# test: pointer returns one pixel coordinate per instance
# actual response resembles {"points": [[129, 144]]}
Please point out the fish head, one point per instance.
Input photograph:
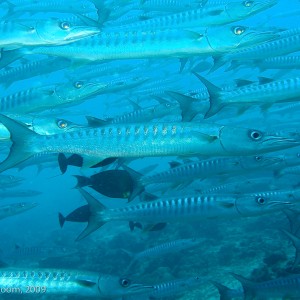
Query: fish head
{"points": [[230, 37], [238, 10], [263, 203], [48, 126], [58, 32], [237, 140], [166, 107], [22, 206], [78, 90], [260, 161], [113, 287]]}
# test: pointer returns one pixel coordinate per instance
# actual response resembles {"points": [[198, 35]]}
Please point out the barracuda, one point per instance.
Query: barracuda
{"points": [[41, 125], [50, 96], [279, 288], [189, 208], [285, 44], [141, 140], [150, 44], [15, 208], [15, 34], [18, 7], [68, 282], [211, 14], [31, 69], [212, 167], [139, 115], [165, 248], [264, 95]]}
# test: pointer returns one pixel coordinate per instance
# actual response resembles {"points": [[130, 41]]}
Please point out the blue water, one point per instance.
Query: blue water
{"points": [[246, 246]]}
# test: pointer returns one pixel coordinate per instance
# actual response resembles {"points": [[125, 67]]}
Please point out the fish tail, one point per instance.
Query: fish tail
{"points": [[61, 220], [248, 286], [186, 105], [296, 242], [74, 160], [138, 187], [94, 221], [214, 97], [22, 141], [219, 61], [82, 181], [63, 163], [223, 290], [9, 56]]}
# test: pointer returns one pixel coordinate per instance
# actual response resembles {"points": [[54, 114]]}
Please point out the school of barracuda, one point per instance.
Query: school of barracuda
{"points": [[170, 129]]}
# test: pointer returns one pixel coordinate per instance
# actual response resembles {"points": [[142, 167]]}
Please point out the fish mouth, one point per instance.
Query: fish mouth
{"points": [[262, 5], [80, 32], [137, 288], [278, 140], [280, 203], [255, 36]]}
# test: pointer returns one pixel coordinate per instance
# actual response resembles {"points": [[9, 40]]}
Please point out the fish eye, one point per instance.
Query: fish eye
{"points": [[255, 135], [78, 84], [124, 282], [258, 158], [260, 200], [65, 25], [62, 123], [248, 3], [238, 30]]}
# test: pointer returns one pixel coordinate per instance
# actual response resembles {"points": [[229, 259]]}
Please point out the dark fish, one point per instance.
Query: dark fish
{"points": [[112, 183], [80, 214], [77, 161]]}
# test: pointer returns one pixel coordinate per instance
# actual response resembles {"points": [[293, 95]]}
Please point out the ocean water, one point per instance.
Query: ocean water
{"points": [[255, 247]]}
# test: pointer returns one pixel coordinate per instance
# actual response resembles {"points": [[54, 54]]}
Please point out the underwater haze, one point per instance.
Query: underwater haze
{"points": [[150, 149]]}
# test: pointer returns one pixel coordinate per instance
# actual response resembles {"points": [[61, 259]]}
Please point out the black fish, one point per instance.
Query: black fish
{"points": [[77, 161], [80, 214], [112, 183]]}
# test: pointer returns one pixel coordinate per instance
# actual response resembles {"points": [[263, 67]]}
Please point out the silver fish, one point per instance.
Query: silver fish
{"points": [[15, 34], [212, 167], [49, 96], [15, 208], [18, 193], [212, 14], [140, 140], [41, 125], [68, 282], [276, 288], [188, 208], [165, 248], [264, 95], [31, 69], [153, 44], [7, 181], [282, 45]]}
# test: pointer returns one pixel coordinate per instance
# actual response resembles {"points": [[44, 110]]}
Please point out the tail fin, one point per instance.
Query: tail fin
{"points": [[9, 56], [61, 220], [296, 242], [138, 188], [185, 103], [248, 286], [224, 291], [218, 63], [22, 141], [74, 160], [82, 181], [294, 220], [95, 221], [214, 97]]}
